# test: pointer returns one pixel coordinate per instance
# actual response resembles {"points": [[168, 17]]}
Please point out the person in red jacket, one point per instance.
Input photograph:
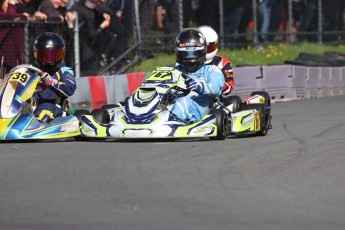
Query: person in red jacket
{"points": [[213, 59]]}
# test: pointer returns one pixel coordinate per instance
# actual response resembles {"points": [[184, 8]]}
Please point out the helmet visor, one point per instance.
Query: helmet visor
{"points": [[187, 54], [212, 46], [49, 56]]}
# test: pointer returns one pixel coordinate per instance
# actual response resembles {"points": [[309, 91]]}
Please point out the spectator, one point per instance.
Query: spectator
{"points": [[22, 7], [247, 16], [119, 29], [308, 15], [233, 11], [297, 6], [147, 13], [54, 10], [331, 18], [92, 29], [265, 7], [276, 18], [11, 35], [208, 14], [170, 24]]}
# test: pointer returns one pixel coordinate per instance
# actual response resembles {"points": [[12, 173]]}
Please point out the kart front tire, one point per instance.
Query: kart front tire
{"points": [[101, 115], [110, 106], [221, 123], [80, 112], [235, 101]]}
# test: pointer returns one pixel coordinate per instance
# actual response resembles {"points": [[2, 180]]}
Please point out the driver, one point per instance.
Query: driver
{"points": [[205, 80], [58, 80], [213, 59]]}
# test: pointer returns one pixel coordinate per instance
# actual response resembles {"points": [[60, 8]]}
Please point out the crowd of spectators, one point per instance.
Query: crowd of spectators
{"points": [[106, 26]]}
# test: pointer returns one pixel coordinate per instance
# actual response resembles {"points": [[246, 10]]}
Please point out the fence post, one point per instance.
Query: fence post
{"points": [[221, 22], [255, 20], [320, 30], [76, 46]]}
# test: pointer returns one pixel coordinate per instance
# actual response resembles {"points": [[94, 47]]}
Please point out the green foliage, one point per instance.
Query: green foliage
{"points": [[270, 54]]}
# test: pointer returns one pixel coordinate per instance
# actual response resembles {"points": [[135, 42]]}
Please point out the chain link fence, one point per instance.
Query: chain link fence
{"points": [[152, 26]]}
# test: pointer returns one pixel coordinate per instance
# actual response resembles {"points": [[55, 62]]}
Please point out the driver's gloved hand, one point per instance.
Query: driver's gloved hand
{"points": [[49, 80], [194, 85]]}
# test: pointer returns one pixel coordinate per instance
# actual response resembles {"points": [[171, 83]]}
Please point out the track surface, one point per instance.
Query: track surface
{"points": [[294, 178]]}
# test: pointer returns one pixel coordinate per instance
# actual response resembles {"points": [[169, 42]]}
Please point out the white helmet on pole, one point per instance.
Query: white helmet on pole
{"points": [[212, 42]]}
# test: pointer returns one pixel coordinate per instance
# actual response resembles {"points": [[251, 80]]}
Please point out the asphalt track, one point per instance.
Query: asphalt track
{"points": [[293, 178]]}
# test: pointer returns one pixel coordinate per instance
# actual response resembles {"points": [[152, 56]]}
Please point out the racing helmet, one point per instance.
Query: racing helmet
{"points": [[190, 49], [49, 51], [211, 40]]}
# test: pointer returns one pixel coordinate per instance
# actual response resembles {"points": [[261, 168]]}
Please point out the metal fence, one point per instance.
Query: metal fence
{"points": [[153, 28]]}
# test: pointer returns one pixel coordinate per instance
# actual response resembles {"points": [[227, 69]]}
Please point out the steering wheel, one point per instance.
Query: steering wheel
{"points": [[40, 73]]}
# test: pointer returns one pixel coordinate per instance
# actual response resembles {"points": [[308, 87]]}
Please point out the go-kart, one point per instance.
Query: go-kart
{"points": [[146, 114], [17, 121]]}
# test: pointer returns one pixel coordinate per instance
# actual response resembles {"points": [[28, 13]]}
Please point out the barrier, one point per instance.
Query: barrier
{"points": [[280, 81], [94, 91], [245, 79]]}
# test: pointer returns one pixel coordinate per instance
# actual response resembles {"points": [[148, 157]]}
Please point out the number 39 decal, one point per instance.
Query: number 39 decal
{"points": [[19, 77]]}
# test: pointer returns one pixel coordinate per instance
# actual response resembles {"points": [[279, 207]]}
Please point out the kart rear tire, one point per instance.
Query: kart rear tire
{"points": [[265, 119], [221, 123], [265, 95], [101, 115], [264, 124], [235, 100]]}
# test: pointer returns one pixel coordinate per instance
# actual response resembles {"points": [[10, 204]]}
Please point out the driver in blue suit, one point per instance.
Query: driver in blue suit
{"points": [[205, 81], [58, 79]]}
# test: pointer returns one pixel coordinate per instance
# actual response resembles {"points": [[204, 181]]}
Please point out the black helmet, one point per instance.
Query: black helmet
{"points": [[190, 49], [49, 51]]}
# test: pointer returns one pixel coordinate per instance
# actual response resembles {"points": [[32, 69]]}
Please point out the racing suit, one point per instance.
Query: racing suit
{"points": [[191, 108], [225, 65], [51, 102]]}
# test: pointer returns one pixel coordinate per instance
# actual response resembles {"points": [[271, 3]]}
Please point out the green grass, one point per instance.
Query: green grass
{"points": [[271, 54]]}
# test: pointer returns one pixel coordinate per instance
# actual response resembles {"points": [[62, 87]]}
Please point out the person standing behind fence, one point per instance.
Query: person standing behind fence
{"points": [[21, 7], [54, 10], [233, 10], [265, 7], [92, 24], [120, 27]]}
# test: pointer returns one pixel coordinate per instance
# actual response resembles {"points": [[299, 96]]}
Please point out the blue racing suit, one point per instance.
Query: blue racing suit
{"points": [[191, 108], [50, 102]]}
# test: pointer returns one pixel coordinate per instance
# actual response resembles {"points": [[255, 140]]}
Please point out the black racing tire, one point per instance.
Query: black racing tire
{"points": [[109, 106], [264, 124], [265, 95], [235, 100], [221, 123], [265, 119], [80, 112], [101, 115]]}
